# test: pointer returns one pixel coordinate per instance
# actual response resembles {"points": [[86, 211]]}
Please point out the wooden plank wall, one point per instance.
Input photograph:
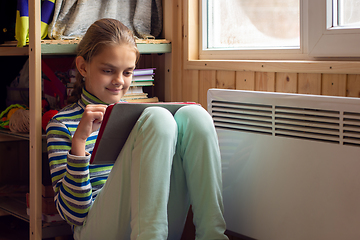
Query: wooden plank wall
{"points": [[195, 83], [192, 85]]}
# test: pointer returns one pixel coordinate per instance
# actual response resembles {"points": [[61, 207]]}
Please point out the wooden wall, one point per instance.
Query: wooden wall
{"points": [[192, 84], [195, 83]]}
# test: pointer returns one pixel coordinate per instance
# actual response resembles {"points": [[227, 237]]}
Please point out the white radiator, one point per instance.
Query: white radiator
{"points": [[290, 164]]}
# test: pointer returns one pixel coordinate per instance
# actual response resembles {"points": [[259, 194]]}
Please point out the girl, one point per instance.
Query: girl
{"points": [[167, 163]]}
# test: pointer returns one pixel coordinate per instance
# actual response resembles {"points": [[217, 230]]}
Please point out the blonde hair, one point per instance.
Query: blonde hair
{"points": [[102, 33]]}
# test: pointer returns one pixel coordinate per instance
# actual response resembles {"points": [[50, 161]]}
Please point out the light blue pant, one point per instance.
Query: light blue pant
{"points": [[167, 163]]}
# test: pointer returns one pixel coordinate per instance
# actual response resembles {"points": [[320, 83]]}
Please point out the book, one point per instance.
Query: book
{"points": [[135, 93], [118, 121], [143, 78], [134, 90], [143, 71], [134, 96], [143, 100], [142, 83]]}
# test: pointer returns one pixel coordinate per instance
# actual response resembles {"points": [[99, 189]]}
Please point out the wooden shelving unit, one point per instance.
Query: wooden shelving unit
{"points": [[36, 49], [17, 207]]}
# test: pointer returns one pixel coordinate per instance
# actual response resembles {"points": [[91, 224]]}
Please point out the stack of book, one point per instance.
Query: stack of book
{"points": [[141, 78]]}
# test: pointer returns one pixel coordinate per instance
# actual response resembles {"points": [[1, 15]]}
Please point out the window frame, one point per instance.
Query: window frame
{"points": [[324, 39], [191, 61]]}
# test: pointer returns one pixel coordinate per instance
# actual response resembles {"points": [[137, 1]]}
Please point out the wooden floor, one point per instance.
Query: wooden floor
{"points": [[12, 228]]}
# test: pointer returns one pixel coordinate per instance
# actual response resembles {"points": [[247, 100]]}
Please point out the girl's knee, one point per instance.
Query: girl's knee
{"points": [[195, 114], [195, 119], [159, 120]]}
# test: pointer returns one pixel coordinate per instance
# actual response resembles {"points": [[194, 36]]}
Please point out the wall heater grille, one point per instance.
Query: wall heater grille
{"points": [[325, 125]]}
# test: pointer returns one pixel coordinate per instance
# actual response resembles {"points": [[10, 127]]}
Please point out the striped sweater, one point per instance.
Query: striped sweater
{"points": [[75, 182]]}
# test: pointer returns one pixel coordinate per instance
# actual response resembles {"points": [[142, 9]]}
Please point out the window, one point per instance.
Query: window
{"points": [[346, 13], [253, 29], [279, 29]]}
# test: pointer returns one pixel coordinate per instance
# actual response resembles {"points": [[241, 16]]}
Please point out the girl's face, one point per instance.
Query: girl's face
{"points": [[109, 74]]}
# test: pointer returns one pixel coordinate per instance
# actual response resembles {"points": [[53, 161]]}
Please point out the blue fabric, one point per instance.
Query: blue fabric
{"points": [[22, 20]]}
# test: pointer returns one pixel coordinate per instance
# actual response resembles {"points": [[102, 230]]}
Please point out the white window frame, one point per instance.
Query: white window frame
{"points": [[317, 39], [328, 41]]}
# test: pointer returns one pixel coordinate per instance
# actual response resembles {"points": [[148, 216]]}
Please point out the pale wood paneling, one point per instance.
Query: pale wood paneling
{"points": [[190, 34], [334, 84], [177, 53], [331, 67], [265, 81], [286, 82], [207, 80], [167, 33], [353, 85], [190, 88], [225, 79], [245, 80], [309, 83]]}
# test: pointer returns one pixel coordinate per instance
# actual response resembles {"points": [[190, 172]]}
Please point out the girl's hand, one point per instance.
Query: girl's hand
{"points": [[90, 122]]}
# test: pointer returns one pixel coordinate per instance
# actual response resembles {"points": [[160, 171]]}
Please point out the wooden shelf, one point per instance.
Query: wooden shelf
{"points": [[7, 135], [68, 47], [16, 206], [13, 51]]}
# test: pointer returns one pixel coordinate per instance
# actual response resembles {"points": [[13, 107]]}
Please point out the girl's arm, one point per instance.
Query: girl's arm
{"points": [[69, 174], [69, 163]]}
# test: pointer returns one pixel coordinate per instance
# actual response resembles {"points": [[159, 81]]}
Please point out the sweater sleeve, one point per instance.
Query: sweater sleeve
{"points": [[69, 175]]}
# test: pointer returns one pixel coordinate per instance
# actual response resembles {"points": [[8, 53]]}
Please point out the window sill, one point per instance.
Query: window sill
{"points": [[297, 66]]}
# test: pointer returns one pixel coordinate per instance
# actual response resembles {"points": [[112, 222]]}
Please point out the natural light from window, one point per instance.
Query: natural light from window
{"points": [[348, 13], [279, 29], [253, 24]]}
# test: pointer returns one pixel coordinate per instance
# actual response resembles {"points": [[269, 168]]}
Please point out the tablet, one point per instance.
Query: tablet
{"points": [[119, 120]]}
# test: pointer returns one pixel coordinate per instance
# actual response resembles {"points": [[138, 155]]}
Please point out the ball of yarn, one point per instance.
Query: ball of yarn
{"points": [[11, 112], [20, 121]]}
